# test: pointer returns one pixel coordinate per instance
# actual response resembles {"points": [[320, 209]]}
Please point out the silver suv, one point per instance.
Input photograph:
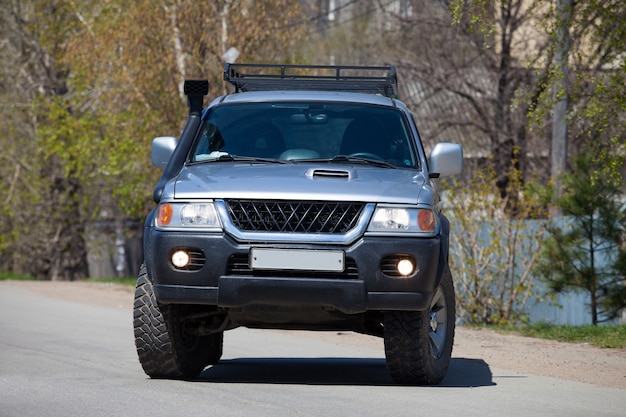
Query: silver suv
{"points": [[303, 200]]}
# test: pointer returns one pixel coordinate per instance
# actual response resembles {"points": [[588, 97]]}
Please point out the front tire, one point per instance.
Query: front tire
{"points": [[164, 347], [418, 344]]}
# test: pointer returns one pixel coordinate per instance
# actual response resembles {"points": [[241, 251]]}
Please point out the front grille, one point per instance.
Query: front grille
{"points": [[238, 265], [294, 216]]}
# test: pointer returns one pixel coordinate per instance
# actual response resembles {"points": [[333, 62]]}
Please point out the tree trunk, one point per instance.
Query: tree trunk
{"points": [[560, 92], [68, 250]]}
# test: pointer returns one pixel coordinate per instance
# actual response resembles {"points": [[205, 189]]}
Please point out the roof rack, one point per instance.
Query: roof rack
{"points": [[273, 77]]}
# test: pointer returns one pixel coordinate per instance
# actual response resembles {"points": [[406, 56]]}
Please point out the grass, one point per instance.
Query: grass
{"points": [[604, 336], [4, 276]]}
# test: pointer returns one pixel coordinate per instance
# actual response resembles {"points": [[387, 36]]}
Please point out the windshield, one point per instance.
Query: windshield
{"points": [[306, 131]]}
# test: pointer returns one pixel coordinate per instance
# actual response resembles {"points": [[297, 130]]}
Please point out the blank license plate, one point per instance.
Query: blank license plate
{"points": [[297, 259]]}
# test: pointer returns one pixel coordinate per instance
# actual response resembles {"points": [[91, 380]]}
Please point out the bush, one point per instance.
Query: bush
{"points": [[494, 246]]}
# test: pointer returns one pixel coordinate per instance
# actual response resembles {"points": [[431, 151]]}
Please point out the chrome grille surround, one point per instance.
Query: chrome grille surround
{"points": [[294, 216], [249, 220]]}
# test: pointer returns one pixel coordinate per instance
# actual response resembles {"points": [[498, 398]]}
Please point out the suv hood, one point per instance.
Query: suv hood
{"points": [[297, 181]]}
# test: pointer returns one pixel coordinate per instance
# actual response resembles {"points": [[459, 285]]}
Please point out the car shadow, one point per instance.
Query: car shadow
{"points": [[462, 373], [468, 373]]}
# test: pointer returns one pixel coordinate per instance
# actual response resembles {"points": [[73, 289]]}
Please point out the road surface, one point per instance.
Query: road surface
{"points": [[62, 358]]}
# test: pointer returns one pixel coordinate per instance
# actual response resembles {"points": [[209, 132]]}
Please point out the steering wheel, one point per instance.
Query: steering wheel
{"points": [[366, 155]]}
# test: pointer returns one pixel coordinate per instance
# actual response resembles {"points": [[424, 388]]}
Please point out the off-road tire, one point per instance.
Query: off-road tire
{"points": [[418, 349], [164, 350], [216, 348]]}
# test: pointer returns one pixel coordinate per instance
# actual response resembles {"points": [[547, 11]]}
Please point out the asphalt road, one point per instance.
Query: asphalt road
{"points": [[59, 358]]}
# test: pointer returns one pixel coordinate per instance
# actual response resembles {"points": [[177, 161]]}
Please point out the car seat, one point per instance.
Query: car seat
{"points": [[265, 141], [365, 136]]}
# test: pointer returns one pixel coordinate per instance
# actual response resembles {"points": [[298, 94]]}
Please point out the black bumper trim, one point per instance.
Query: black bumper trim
{"points": [[185, 294], [412, 301], [349, 297], [346, 296]]}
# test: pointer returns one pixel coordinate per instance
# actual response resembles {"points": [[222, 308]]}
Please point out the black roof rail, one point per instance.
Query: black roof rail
{"points": [[272, 77]]}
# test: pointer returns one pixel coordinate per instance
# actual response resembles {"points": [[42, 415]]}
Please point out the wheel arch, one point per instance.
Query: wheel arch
{"points": [[147, 243], [445, 248]]}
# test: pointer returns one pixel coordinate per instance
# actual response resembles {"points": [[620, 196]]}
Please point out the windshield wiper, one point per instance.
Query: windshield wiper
{"points": [[250, 159], [362, 160], [234, 158]]}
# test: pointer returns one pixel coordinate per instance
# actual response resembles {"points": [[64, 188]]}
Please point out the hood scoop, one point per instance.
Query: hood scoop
{"points": [[345, 174]]}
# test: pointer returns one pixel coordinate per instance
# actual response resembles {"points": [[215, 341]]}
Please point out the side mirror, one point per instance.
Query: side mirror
{"points": [[162, 149], [446, 159]]}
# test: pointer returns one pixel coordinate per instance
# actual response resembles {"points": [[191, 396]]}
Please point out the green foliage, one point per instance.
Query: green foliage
{"points": [[493, 248], [479, 15], [602, 336], [587, 252], [12, 276], [85, 87], [603, 118], [597, 69], [126, 74], [596, 55]]}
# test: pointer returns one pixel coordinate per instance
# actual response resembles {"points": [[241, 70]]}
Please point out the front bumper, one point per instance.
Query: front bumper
{"points": [[224, 279]]}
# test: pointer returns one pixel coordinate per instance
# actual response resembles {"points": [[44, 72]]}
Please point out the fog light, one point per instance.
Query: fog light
{"points": [[405, 267], [180, 259]]}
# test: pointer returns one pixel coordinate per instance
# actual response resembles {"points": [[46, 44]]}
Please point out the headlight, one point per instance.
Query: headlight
{"points": [[188, 215], [403, 220]]}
